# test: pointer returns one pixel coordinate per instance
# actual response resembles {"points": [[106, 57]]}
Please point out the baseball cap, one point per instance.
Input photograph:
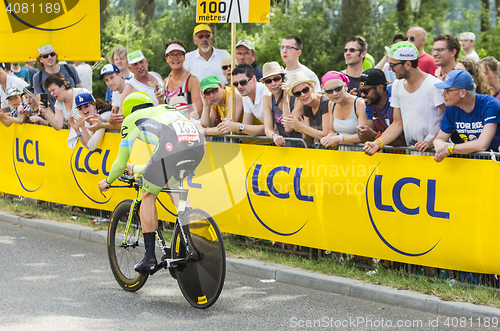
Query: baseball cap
{"points": [[108, 69], [209, 82], [457, 78], [12, 92], [468, 35], [135, 57], [247, 43], [45, 48], [83, 99], [174, 47], [372, 76], [201, 27], [402, 51]]}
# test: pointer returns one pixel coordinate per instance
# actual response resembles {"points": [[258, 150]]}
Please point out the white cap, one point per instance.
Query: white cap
{"points": [[174, 47], [468, 35], [135, 57]]}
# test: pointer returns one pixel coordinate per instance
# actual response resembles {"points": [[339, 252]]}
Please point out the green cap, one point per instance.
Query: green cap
{"points": [[402, 51], [135, 57], [209, 82]]}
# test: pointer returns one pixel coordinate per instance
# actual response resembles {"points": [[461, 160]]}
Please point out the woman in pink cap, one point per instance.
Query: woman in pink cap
{"points": [[180, 82], [347, 111]]}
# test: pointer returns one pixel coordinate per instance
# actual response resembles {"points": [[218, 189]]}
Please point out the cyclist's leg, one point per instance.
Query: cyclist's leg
{"points": [[149, 223]]}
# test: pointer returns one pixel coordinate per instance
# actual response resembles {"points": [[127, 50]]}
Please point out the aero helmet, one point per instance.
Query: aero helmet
{"points": [[135, 101]]}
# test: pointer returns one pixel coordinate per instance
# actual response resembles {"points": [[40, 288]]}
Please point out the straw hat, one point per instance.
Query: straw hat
{"points": [[299, 78], [271, 69]]}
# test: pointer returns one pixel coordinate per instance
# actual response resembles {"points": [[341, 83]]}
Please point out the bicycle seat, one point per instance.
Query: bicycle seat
{"points": [[188, 166]]}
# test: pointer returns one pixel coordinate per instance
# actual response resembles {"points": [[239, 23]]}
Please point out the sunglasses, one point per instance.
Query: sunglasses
{"points": [[206, 35], [275, 79], [336, 89], [83, 106], [226, 67], [52, 54], [365, 90], [305, 90], [352, 50], [208, 92], [241, 82], [392, 65]]}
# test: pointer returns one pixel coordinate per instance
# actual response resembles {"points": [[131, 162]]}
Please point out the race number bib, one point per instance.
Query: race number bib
{"points": [[186, 131]]}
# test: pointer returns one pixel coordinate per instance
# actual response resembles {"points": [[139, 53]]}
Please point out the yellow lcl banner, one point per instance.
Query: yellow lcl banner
{"points": [[72, 27], [397, 207], [233, 11]]}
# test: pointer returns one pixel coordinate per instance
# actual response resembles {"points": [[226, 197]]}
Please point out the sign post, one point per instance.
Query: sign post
{"points": [[233, 11]]}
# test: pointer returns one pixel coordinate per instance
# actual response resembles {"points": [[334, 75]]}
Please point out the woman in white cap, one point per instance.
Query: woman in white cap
{"points": [[348, 111], [312, 106], [180, 82], [86, 105], [276, 104]]}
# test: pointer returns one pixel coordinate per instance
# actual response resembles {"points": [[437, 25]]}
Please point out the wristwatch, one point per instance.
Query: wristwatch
{"points": [[242, 127]]}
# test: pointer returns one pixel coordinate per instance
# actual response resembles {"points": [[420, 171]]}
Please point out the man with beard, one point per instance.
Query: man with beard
{"points": [[379, 112], [418, 104], [144, 80], [205, 61]]}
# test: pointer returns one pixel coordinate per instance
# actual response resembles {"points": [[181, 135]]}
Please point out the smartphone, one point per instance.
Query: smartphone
{"points": [[44, 99]]}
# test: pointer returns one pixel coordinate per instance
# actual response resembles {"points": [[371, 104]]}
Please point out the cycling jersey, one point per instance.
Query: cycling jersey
{"points": [[174, 139]]}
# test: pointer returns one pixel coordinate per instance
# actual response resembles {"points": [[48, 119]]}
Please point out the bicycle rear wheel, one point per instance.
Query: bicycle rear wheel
{"points": [[124, 254], [200, 280]]}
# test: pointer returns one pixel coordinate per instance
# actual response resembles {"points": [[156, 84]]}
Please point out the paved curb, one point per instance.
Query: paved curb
{"points": [[294, 276]]}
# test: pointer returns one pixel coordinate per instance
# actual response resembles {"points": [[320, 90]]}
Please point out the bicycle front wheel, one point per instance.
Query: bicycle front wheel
{"points": [[200, 280], [125, 248]]}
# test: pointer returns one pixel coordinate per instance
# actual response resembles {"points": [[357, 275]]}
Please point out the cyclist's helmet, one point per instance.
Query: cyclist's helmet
{"points": [[135, 101]]}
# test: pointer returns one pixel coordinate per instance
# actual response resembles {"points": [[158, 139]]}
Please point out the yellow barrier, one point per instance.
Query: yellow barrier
{"points": [[402, 208]]}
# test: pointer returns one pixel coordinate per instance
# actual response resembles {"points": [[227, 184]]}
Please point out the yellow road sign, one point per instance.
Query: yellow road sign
{"points": [[233, 11]]}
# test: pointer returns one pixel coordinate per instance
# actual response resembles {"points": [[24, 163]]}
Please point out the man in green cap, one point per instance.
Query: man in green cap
{"points": [[418, 104]]}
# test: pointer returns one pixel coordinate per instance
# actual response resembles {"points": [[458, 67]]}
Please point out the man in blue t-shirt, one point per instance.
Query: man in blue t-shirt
{"points": [[474, 116], [377, 96]]}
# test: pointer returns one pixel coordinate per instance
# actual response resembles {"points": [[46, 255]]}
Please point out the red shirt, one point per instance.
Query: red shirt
{"points": [[426, 64]]}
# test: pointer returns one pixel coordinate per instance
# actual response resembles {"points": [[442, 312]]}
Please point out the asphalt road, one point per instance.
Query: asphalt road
{"points": [[53, 282]]}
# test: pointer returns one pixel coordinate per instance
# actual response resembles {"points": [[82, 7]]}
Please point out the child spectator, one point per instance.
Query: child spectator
{"points": [[18, 109]]}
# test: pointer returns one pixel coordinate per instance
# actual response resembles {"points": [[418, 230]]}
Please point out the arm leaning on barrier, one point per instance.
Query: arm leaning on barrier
{"points": [[390, 134]]}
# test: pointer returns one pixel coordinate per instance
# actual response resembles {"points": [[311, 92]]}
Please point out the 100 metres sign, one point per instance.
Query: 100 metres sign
{"points": [[233, 11]]}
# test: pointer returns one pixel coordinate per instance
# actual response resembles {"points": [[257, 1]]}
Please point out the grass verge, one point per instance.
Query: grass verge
{"points": [[329, 265]]}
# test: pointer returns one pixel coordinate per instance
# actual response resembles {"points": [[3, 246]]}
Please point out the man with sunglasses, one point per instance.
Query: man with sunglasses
{"points": [[418, 36], [253, 109], [474, 116], [354, 55], [290, 50], [48, 60], [379, 112], [205, 60], [445, 53], [418, 104]]}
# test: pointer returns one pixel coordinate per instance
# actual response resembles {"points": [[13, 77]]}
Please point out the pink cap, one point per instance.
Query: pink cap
{"points": [[334, 75]]}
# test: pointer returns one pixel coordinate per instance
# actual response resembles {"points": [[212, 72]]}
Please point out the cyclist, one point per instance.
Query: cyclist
{"points": [[175, 139]]}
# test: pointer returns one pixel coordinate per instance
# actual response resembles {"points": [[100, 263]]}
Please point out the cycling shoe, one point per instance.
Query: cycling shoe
{"points": [[145, 267]]}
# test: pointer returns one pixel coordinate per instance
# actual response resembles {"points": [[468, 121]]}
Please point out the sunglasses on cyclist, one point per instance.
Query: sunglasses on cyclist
{"points": [[83, 106], [226, 67], [305, 90], [209, 92], [52, 54], [352, 50], [275, 79], [336, 89], [366, 90], [206, 35], [241, 82]]}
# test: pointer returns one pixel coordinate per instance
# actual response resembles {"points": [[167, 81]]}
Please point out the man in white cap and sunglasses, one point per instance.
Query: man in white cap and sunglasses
{"points": [[144, 80], [205, 60], [418, 104], [49, 61]]}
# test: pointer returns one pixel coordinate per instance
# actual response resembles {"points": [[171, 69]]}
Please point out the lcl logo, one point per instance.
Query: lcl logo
{"points": [[27, 152]]}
